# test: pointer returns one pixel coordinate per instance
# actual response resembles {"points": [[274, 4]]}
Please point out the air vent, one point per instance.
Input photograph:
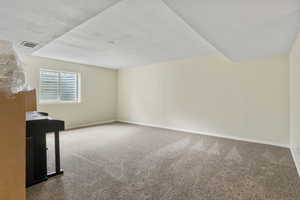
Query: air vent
{"points": [[29, 44]]}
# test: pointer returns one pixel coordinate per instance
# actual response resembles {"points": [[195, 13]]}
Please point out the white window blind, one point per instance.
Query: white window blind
{"points": [[59, 87]]}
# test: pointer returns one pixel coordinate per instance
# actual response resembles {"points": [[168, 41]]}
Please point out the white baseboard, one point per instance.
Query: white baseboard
{"points": [[296, 159], [90, 124], [205, 133]]}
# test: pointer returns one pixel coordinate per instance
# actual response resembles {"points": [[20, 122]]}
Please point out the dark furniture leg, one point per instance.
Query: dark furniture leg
{"points": [[57, 157]]}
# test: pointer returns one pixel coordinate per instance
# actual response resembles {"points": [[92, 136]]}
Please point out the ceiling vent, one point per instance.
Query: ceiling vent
{"points": [[29, 44]]}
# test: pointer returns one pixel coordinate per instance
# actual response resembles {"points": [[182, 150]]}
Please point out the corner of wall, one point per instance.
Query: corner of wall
{"points": [[294, 105], [296, 156], [117, 95]]}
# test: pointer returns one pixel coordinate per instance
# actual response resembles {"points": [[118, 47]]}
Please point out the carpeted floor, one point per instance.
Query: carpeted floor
{"points": [[127, 162]]}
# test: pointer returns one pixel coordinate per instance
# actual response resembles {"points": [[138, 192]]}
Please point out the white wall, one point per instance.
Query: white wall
{"points": [[98, 92], [246, 100], [295, 101]]}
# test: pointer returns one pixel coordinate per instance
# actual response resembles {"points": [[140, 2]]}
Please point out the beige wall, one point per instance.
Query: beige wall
{"points": [[210, 95], [98, 92], [295, 101]]}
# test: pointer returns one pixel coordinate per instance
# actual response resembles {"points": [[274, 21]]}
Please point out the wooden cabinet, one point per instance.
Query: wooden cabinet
{"points": [[12, 146]]}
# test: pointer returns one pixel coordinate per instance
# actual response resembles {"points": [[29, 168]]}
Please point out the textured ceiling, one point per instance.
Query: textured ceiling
{"points": [[126, 33], [243, 29], [131, 33], [43, 21]]}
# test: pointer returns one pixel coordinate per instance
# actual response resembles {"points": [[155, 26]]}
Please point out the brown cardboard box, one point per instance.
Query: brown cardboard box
{"points": [[12, 147], [30, 100]]}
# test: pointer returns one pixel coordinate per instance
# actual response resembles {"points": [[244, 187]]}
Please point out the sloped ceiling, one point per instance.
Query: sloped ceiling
{"points": [[243, 29], [131, 33], [127, 33], [43, 21]]}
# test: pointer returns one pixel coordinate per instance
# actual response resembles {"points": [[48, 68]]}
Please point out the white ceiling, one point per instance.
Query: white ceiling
{"points": [[43, 21], [243, 29], [126, 33], [131, 33]]}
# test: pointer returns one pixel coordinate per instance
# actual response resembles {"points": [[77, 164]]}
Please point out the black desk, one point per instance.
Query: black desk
{"points": [[37, 126]]}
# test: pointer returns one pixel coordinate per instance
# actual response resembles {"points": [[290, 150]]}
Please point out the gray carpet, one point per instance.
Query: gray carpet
{"points": [[128, 162]]}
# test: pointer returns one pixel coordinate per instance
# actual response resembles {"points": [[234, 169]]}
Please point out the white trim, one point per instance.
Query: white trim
{"points": [[90, 124], [296, 160], [205, 133], [58, 102]]}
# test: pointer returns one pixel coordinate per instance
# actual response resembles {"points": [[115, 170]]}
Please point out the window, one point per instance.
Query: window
{"points": [[59, 87]]}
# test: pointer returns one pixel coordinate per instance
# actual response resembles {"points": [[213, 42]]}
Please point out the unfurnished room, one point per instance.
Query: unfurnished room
{"points": [[150, 100]]}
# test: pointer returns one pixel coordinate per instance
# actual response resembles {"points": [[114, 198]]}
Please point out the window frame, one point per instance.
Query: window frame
{"points": [[49, 102]]}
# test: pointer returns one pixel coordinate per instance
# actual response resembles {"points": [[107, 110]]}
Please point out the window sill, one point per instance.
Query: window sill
{"points": [[59, 102]]}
